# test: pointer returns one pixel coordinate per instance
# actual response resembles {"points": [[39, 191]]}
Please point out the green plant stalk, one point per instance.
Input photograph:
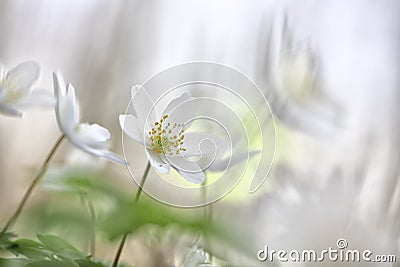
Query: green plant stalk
{"points": [[137, 196], [11, 221], [207, 216], [92, 215]]}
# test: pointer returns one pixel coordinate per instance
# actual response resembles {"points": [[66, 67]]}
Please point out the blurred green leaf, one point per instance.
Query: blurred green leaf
{"points": [[81, 181], [5, 240], [56, 244], [12, 262], [50, 250], [89, 263], [51, 263]]}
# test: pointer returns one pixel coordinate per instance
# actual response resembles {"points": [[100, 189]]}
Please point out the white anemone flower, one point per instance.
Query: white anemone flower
{"points": [[91, 138], [300, 98], [16, 89], [197, 257], [165, 138]]}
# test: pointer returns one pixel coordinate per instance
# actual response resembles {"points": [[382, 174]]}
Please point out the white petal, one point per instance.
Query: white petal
{"points": [[23, 76], [130, 125], [200, 143], [37, 98], [188, 169], [2, 93], [181, 109], [102, 153], [1, 70], [68, 111], [157, 162], [223, 163], [92, 135], [9, 110], [143, 105], [60, 86], [193, 177]]}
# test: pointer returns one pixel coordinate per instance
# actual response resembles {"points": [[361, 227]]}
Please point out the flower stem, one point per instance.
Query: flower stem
{"points": [[207, 217], [92, 214], [32, 186], [137, 196]]}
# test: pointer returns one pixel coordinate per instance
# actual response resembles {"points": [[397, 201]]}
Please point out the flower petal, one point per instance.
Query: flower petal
{"points": [[193, 177], [201, 143], [92, 135], [130, 126], [60, 86], [9, 110], [102, 153], [157, 162], [68, 111], [67, 108], [189, 170], [22, 76], [2, 93], [181, 109], [2, 71], [223, 163], [37, 98], [143, 105]]}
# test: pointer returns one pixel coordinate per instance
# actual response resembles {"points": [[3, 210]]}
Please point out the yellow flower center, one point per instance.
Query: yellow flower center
{"points": [[12, 93], [166, 137]]}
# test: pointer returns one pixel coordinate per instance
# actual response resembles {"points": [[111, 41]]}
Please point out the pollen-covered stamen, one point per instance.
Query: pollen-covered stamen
{"points": [[12, 93], [166, 137]]}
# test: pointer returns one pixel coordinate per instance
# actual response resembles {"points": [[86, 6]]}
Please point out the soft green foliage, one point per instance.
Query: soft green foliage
{"points": [[48, 250], [117, 213]]}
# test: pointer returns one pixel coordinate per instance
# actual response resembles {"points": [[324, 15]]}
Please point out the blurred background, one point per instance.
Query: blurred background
{"points": [[328, 68]]}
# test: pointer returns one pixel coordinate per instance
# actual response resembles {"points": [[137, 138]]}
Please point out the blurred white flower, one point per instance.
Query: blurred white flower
{"points": [[166, 142], [310, 216], [91, 138], [226, 158], [197, 258], [299, 98], [16, 89]]}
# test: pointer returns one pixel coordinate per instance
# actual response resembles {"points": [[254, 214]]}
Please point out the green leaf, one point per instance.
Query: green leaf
{"points": [[56, 244], [28, 248], [12, 262], [50, 263], [89, 263], [5, 240], [28, 243]]}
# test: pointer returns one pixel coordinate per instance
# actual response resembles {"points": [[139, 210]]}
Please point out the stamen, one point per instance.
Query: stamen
{"points": [[162, 140]]}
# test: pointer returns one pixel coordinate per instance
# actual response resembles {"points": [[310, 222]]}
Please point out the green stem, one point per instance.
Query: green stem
{"points": [[93, 219], [11, 221], [207, 217], [137, 196], [209, 220], [92, 215]]}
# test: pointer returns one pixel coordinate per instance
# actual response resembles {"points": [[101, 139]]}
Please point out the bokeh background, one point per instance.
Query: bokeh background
{"points": [[337, 164]]}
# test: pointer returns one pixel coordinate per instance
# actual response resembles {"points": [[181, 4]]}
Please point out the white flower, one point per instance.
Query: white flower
{"points": [[310, 216], [300, 99], [230, 156], [16, 89], [197, 258], [91, 138], [165, 138]]}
